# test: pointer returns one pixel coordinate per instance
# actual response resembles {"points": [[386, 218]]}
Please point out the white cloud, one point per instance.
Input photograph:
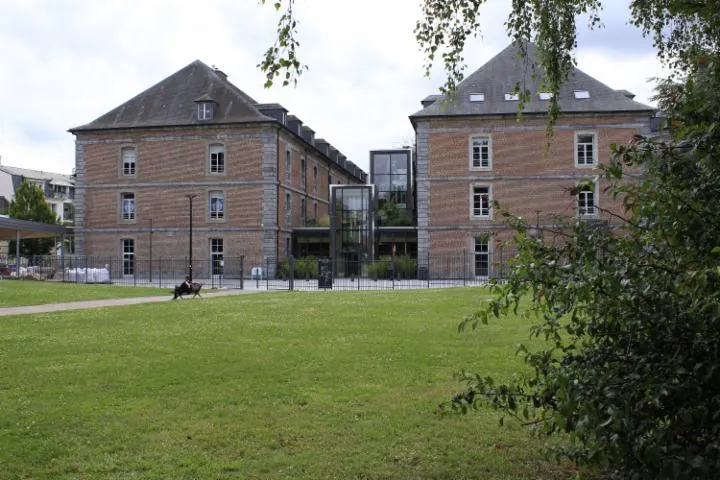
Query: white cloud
{"points": [[66, 63]]}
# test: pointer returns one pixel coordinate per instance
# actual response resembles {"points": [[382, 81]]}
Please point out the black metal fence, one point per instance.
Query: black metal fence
{"points": [[432, 271], [310, 273], [160, 272]]}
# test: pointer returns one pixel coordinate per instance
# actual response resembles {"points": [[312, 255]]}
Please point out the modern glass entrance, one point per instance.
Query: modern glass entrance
{"points": [[351, 228]]}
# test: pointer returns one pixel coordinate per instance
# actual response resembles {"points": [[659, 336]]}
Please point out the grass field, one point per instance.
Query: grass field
{"points": [[336, 385], [14, 293]]}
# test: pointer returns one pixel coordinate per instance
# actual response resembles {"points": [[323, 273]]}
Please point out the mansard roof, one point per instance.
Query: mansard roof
{"points": [[500, 75]]}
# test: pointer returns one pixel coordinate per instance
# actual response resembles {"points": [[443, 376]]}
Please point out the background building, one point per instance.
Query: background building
{"points": [[472, 150], [195, 153], [249, 173]]}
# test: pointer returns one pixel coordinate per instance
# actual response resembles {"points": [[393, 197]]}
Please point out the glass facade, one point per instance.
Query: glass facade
{"points": [[391, 173], [351, 228]]}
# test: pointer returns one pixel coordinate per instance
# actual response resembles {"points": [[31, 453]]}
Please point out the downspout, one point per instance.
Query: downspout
{"points": [[277, 197]]}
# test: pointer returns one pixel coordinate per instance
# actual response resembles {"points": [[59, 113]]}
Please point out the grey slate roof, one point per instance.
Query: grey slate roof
{"points": [[500, 76], [172, 102], [54, 178]]}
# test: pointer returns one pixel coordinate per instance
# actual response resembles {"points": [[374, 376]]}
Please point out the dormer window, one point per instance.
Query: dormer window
{"points": [[580, 94], [512, 97], [205, 110], [477, 97], [545, 95]]}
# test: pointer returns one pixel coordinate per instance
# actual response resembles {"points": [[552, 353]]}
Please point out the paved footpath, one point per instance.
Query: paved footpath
{"points": [[110, 302]]}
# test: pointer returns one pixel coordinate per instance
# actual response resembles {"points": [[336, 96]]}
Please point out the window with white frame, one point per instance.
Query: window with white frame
{"points": [[128, 157], [545, 95], [585, 149], [587, 200], [512, 97], [481, 201], [128, 252], [582, 94], [205, 110], [482, 256], [477, 97], [217, 158], [127, 206], [216, 202], [481, 152], [217, 255]]}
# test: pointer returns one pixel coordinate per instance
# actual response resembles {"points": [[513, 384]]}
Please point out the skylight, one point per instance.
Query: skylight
{"points": [[512, 97], [477, 97], [545, 95], [579, 94]]}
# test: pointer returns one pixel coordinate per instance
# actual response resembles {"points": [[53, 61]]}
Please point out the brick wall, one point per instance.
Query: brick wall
{"points": [[526, 175], [172, 163]]}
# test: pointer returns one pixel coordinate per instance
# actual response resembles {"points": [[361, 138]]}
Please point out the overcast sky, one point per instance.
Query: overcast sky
{"points": [[65, 63]]}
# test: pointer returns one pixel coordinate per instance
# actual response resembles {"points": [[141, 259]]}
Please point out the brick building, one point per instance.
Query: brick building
{"points": [[252, 173], [472, 150]]}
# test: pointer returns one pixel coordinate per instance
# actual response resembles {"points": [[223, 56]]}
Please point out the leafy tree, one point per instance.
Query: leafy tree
{"points": [[630, 365], [30, 204]]}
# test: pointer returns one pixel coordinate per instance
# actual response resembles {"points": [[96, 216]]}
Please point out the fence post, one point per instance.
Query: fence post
{"points": [[242, 272], [160, 272], [291, 262], [464, 267]]}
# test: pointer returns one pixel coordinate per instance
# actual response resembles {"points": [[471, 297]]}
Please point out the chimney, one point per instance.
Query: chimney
{"points": [[220, 73], [308, 134]]}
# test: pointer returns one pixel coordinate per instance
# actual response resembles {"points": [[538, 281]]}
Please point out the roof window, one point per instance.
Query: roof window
{"points": [[512, 97], [580, 94], [205, 110], [545, 95], [477, 97]]}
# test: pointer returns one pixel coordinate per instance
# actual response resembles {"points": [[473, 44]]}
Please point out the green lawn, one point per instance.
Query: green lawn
{"points": [[322, 385], [14, 293]]}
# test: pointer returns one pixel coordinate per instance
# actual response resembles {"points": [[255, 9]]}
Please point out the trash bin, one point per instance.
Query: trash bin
{"points": [[325, 279], [423, 273]]}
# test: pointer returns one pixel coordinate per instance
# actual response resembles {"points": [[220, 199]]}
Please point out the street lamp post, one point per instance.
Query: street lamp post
{"points": [[190, 243], [151, 235]]}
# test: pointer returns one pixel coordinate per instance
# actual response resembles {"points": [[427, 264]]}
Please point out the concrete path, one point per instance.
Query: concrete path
{"points": [[110, 302]]}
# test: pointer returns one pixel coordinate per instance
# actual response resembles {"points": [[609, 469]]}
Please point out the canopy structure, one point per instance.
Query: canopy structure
{"points": [[14, 229]]}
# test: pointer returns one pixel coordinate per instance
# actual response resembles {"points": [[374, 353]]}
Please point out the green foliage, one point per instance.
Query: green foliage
{"points": [[392, 215], [631, 317], [280, 60], [304, 268], [401, 267], [30, 204]]}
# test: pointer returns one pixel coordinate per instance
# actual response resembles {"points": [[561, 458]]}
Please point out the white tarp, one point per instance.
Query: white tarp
{"points": [[87, 275]]}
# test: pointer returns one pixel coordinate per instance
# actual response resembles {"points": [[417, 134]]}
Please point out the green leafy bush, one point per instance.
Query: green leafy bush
{"points": [[631, 366]]}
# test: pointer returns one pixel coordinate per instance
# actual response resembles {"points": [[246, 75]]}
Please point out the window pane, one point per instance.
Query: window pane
{"points": [[399, 163], [381, 163]]}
